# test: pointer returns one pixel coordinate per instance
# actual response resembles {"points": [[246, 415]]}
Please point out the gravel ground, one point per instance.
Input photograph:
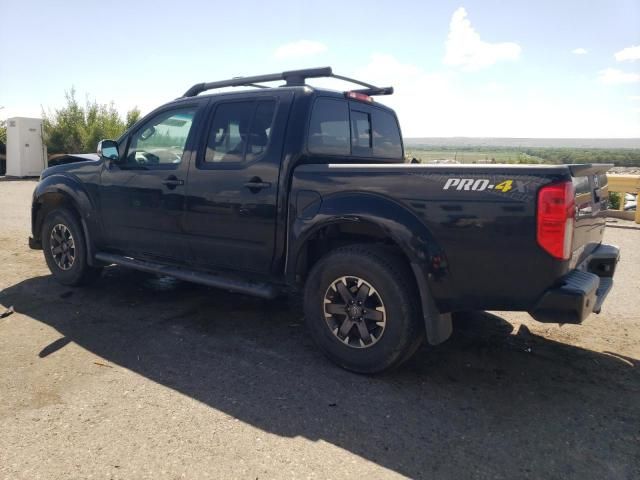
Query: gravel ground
{"points": [[143, 377]]}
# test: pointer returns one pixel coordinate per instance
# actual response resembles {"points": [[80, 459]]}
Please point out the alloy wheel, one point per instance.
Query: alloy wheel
{"points": [[62, 246], [354, 312]]}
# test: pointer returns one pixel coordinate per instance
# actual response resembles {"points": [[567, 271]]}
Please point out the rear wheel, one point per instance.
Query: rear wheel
{"points": [[65, 249], [361, 308]]}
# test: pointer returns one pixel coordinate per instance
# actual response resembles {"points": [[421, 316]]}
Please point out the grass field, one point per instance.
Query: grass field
{"points": [[625, 157], [426, 155]]}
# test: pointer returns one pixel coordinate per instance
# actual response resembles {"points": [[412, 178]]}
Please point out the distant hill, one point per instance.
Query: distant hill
{"points": [[524, 142]]}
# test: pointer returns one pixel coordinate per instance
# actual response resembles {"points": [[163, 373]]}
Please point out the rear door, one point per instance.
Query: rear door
{"points": [[232, 187]]}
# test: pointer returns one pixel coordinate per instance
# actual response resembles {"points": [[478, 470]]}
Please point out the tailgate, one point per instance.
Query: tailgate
{"points": [[590, 182]]}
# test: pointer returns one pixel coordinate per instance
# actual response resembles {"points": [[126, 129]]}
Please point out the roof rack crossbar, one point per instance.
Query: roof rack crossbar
{"points": [[291, 77], [352, 80]]}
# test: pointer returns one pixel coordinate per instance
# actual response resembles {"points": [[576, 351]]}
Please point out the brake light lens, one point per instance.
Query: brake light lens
{"points": [[358, 96], [556, 210]]}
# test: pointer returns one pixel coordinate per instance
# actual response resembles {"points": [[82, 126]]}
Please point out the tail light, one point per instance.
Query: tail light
{"points": [[358, 96], [556, 210]]}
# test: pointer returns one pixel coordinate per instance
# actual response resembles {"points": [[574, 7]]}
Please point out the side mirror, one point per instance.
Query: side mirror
{"points": [[108, 149]]}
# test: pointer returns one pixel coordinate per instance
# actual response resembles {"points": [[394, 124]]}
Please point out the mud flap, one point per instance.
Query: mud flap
{"points": [[438, 325]]}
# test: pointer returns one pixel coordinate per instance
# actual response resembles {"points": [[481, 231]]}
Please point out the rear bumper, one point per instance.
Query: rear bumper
{"points": [[580, 292]]}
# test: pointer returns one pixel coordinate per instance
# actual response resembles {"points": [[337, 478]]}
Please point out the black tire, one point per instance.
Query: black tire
{"points": [[72, 268], [392, 283]]}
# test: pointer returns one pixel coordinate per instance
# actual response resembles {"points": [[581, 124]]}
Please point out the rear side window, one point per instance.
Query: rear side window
{"points": [[260, 131], [329, 127], [386, 135], [240, 131]]}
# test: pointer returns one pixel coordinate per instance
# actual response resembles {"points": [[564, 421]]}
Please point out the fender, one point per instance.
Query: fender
{"points": [[405, 229], [73, 190]]}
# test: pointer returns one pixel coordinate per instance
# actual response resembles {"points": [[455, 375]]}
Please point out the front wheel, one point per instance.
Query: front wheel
{"points": [[361, 308], [65, 249]]}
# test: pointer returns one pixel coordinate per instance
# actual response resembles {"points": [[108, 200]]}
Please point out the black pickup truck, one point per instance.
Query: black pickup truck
{"points": [[299, 190]]}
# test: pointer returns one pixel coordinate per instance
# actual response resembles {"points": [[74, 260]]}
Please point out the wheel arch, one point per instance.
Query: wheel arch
{"points": [[372, 218], [58, 191], [362, 216]]}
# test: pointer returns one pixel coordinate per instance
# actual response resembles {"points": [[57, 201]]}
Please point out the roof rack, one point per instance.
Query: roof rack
{"points": [[293, 78]]}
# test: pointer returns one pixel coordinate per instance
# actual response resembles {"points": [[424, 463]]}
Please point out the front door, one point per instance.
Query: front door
{"points": [[233, 184], [142, 195]]}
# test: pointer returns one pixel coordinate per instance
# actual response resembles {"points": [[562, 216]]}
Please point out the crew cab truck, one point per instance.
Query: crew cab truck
{"points": [[304, 191]]}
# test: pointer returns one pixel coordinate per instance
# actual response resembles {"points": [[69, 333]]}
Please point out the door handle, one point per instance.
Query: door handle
{"points": [[172, 181], [256, 184]]}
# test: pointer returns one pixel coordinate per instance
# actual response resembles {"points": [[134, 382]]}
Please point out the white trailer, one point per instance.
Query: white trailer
{"points": [[26, 152]]}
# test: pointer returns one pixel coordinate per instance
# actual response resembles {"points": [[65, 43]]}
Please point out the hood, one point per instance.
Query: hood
{"points": [[70, 162], [65, 158]]}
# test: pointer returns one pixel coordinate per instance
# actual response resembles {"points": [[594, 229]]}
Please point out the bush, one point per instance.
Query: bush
{"points": [[3, 132], [614, 200]]}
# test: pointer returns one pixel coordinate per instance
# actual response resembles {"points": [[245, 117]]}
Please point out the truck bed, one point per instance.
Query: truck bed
{"points": [[482, 217]]}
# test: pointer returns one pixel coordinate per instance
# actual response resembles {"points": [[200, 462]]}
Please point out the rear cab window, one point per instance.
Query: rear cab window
{"points": [[386, 135], [346, 128], [361, 143]]}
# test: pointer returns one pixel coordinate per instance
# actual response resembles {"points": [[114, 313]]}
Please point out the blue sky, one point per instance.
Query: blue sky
{"points": [[464, 68]]}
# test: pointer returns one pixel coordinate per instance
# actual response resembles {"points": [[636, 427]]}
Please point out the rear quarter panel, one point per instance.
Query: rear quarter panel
{"points": [[487, 235]]}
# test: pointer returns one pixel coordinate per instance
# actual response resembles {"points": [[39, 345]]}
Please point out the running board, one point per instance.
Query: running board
{"points": [[256, 289]]}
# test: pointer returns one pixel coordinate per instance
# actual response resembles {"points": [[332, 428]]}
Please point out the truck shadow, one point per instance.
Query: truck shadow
{"points": [[487, 396]]}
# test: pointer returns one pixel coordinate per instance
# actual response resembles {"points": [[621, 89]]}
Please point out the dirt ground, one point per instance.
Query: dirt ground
{"points": [[142, 377]]}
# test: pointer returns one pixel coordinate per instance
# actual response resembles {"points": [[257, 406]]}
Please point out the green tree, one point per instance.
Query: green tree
{"points": [[101, 121], [3, 131], [64, 130], [77, 129], [132, 117]]}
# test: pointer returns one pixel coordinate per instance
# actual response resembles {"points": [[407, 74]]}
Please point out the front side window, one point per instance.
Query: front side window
{"points": [[161, 141], [329, 128]]}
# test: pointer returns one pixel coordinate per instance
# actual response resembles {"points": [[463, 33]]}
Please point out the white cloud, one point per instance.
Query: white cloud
{"points": [[299, 49], [444, 104], [628, 54], [425, 101], [465, 48], [495, 87], [580, 51], [613, 76], [634, 97]]}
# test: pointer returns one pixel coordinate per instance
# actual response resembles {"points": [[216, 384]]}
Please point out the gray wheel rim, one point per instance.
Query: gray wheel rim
{"points": [[354, 312], [63, 247]]}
